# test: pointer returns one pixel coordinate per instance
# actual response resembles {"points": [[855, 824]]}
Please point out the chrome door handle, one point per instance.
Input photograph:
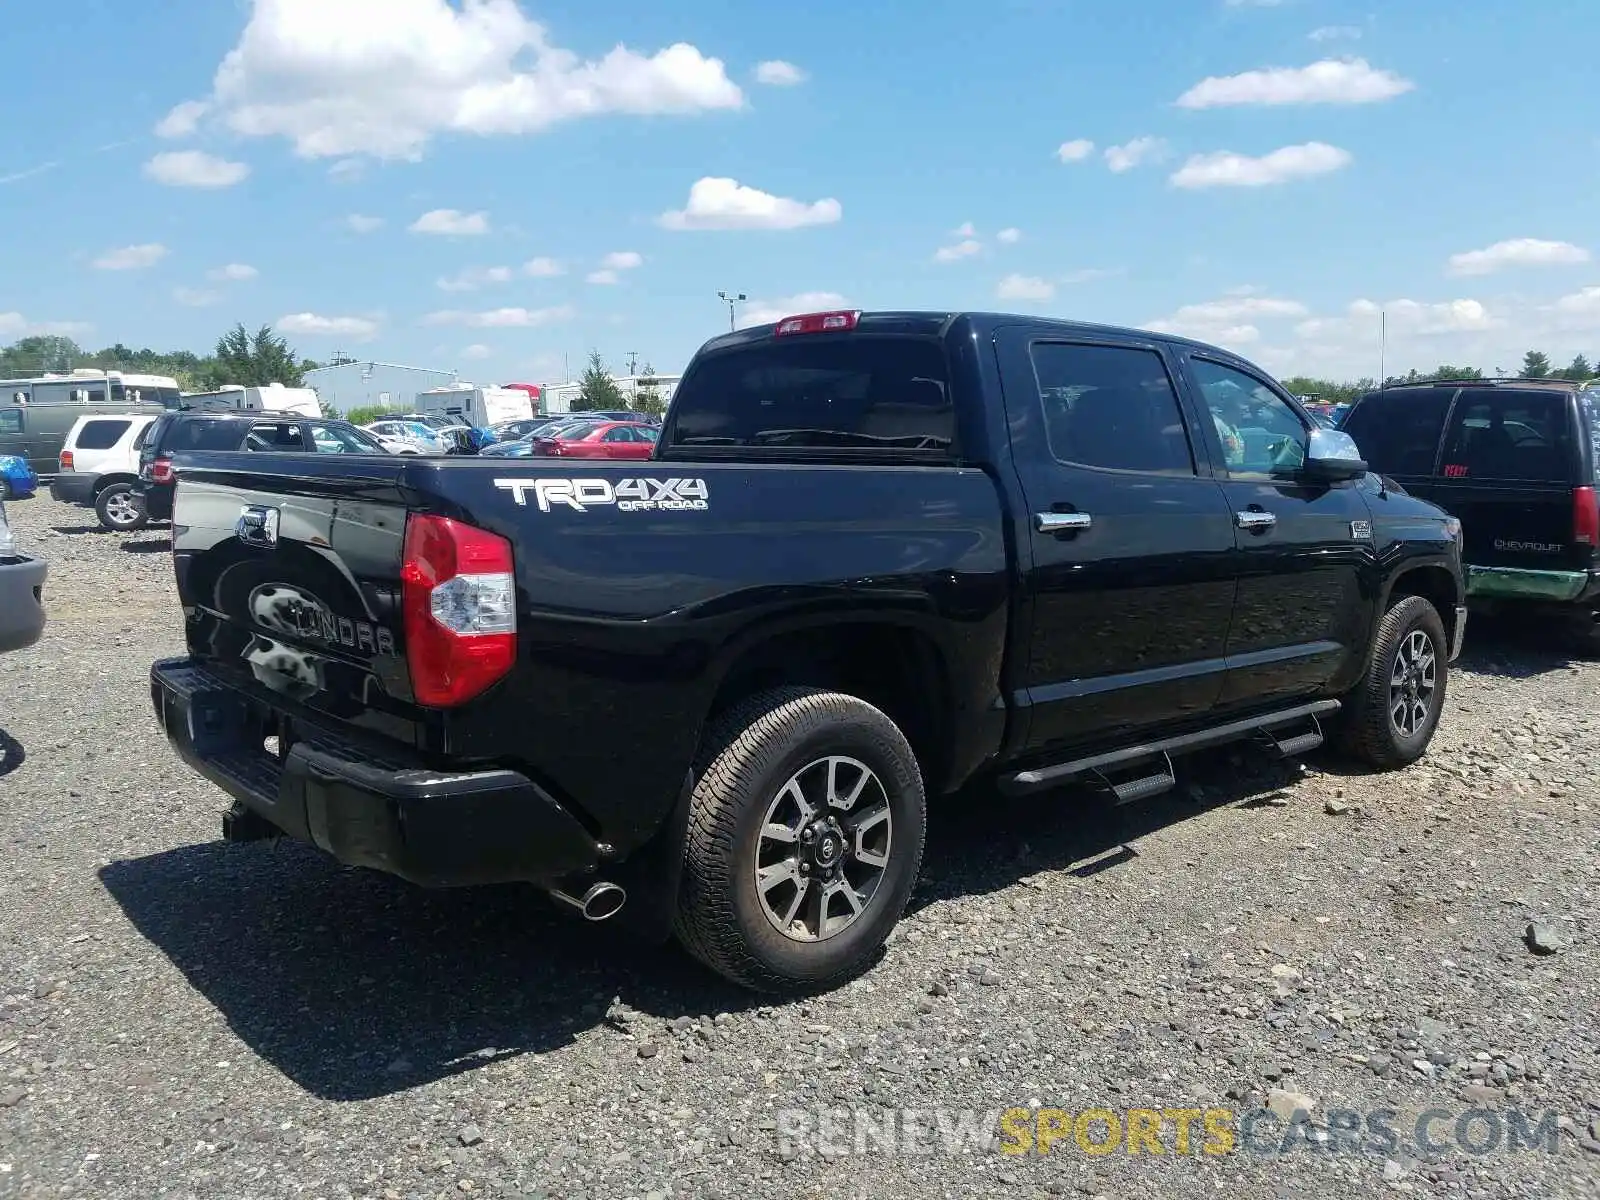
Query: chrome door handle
{"points": [[1255, 520], [1061, 522]]}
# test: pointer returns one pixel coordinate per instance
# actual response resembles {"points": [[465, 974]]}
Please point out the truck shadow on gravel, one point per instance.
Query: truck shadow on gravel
{"points": [[356, 985], [1516, 648], [12, 754]]}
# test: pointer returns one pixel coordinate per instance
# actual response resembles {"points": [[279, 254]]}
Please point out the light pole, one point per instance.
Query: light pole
{"points": [[731, 300]]}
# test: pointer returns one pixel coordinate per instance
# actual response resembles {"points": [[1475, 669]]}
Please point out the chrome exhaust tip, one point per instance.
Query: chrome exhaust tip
{"points": [[601, 901]]}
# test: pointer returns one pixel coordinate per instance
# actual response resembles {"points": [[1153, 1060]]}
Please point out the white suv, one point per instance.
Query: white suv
{"points": [[99, 466]]}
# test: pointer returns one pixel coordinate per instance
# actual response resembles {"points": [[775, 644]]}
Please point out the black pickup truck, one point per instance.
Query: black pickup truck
{"points": [[877, 557]]}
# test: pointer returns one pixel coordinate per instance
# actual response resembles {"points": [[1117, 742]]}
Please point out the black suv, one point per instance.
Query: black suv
{"points": [[1518, 461], [180, 432]]}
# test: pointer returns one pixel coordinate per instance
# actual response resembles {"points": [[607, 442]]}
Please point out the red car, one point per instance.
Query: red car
{"points": [[602, 439]]}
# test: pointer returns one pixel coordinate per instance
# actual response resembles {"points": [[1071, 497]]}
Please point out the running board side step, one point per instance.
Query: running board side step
{"points": [[1217, 735]]}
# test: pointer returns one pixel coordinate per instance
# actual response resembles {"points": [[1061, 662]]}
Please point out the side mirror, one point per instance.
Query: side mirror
{"points": [[1333, 457]]}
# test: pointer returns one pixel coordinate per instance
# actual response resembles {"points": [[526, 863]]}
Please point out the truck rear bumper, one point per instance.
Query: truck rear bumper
{"points": [[21, 607], [434, 828], [72, 488], [1521, 583]]}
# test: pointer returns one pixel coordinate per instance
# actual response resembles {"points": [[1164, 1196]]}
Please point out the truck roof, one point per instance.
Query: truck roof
{"points": [[927, 323]]}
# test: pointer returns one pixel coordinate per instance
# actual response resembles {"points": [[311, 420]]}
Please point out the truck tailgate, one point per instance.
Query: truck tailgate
{"points": [[290, 582]]}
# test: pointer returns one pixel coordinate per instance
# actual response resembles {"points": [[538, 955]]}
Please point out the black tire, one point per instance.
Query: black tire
{"points": [[119, 509], [1370, 731], [748, 755]]}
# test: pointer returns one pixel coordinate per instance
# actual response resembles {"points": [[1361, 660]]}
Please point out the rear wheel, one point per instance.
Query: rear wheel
{"points": [[1391, 716], [805, 837], [119, 509]]}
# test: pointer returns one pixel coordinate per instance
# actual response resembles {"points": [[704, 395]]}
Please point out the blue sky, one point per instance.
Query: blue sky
{"points": [[492, 187]]}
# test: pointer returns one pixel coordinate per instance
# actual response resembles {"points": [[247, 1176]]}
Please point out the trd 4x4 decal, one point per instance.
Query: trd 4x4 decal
{"points": [[628, 495]]}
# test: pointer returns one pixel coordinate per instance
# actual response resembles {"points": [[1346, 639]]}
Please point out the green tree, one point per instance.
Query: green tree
{"points": [[38, 355], [1446, 371], [254, 359], [647, 393], [1578, 371], [367, 414], [1535, 365], [596, 388]]}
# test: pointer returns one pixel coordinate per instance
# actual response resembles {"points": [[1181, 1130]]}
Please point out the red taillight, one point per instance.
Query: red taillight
{"points": [[66, 460], [458, 595], [1585, 517], [823, 322], [161, 471]]}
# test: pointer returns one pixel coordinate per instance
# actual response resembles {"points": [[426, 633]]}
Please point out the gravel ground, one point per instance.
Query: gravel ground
{"points": [[187, 1019]]}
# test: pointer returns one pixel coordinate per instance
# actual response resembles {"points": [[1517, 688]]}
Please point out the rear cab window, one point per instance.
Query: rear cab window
{"points": [[1505, 434], [854, 395], [1398, 432]]}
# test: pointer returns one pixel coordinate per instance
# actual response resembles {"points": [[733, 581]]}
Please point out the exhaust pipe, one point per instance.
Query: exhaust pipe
{"points": [[601, 901]]}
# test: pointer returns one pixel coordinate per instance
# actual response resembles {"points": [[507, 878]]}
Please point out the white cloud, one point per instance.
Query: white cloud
{"points": [[1132, 154], [15, 325], [336, 82], [960, 250], [1090, 274], [1075, 151], [347, 170], [1334, 33], [1580, 310], [1331, 81], [182, 121], [501, 318], [778, 73], [1009, 237], [765, 312], [195, 297], [451, 222], [1224, 168], [476, 351], [307, 324], [1517, 252], [721, 203], [1025, 287], [192, 168], [361, 224], [131, 258], [602, 277], [473, 278], [622, 260], [965, 230], [233, 273], [1230, 321], [542, 268]]}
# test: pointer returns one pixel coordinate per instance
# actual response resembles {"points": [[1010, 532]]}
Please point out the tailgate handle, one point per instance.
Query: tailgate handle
{"points": [[257, 526]]}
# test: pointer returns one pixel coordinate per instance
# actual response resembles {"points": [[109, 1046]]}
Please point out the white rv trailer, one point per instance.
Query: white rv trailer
{"points": [[274, 398], [476, 406]]}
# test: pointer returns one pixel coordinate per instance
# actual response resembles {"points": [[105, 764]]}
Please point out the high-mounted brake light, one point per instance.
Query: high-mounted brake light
{"points": [[66, 460], [822, 322], [458, 595], [1585, 517]]}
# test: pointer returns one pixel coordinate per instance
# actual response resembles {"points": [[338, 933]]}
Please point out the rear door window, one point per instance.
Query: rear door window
{"points": [[851, 394], [276, 439], [101, 435], [1498, 434], [1398, 432], [10, 420], [1112, 407], [143, 435]]}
